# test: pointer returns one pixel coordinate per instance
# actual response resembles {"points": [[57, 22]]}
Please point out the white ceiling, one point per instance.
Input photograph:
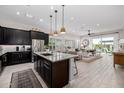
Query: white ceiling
{"points": [[78, 18]]}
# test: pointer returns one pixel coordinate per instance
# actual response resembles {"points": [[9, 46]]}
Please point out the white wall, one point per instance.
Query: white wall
{"points": [[121, 34]]}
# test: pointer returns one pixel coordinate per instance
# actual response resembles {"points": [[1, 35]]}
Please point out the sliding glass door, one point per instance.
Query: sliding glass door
{"points": [[105, 43]]}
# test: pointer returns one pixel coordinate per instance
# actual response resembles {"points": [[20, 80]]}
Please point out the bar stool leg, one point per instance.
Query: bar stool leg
{"points": [[75, 68]]}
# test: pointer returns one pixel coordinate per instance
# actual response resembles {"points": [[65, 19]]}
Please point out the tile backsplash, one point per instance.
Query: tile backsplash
{"points": [[12, 48]]}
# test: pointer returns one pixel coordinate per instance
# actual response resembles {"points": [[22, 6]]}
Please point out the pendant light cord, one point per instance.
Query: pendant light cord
{"points": [[63, 15], [56, 20], [51, 23]]}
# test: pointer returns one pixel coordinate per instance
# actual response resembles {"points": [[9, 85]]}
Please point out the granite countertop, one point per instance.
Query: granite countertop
{"points": [[56, 56], [18, 51], [2, 53]]}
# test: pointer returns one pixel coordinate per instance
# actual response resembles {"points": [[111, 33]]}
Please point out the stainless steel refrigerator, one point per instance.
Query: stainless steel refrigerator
{"points": [[37, 45]]}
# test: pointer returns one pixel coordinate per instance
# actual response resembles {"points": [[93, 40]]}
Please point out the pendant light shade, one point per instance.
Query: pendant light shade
{"points": [[55, 33], [62, 30], [51, 33]]}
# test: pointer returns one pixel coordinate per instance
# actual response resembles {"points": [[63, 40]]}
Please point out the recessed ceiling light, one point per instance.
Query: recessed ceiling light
{"points": [[41, 20], [18, 13], [29, 15], [98, 24], [51, 7]]}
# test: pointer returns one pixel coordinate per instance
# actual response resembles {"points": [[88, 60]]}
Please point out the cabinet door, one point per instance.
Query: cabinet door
{"points": [[16, 37], [1, 36], [4, 59], [41, 68], [38, 65], [8, 36], [26, 38], [35, 61], [19, 37], [41, 36], [47, 73]]}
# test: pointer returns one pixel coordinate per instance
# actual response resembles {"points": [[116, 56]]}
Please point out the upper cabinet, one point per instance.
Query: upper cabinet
{"points": [[15, 37], [11, 36], [41, 36]]}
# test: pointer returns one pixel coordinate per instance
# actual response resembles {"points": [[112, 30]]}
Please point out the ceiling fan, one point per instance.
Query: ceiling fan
{"points": [[89, 33]]}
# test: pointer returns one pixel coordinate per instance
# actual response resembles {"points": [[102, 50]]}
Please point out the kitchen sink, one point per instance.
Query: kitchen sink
{"points": [[46, 54]]}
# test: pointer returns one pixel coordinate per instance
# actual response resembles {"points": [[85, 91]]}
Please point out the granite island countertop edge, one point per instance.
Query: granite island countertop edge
{"points": [[53, 56]]}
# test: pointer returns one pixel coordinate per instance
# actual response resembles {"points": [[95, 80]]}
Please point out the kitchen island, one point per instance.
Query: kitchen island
{"points": [[56, 69]]}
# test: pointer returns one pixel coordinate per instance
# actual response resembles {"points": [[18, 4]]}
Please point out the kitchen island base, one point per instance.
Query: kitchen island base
{"points": [[56, 74]]}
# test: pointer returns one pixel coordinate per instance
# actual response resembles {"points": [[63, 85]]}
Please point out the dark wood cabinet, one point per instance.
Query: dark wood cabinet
{"points": [[8, 36], [41, 36], [4, 59], [37, 35], [12, 36], [54, 74], [11, 58], [43, 68], [1, 36], [0, 64], [34, 60]]}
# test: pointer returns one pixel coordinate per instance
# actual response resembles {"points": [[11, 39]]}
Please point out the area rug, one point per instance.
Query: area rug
{"points": [[91, 58], [24, 79]]}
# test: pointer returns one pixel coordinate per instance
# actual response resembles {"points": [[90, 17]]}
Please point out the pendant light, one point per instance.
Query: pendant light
{"points": [[62, 30], [55, 33], [51, 33]]}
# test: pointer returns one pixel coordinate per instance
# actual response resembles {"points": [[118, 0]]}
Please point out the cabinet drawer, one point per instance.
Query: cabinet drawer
{"points": [[119, 59]]}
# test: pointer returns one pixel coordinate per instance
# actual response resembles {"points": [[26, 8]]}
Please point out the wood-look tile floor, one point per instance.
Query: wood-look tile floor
{"points": [[97, 74], [5, 76]]}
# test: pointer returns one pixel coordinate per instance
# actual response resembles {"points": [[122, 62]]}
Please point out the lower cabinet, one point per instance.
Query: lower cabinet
{"points": [[54, 74], [47, 72], [4, 59], [11, 58], [44, 69], [34, 59]]}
